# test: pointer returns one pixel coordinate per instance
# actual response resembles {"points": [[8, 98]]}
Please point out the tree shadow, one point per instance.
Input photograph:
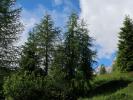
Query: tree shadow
{"points": [[109, 87]]}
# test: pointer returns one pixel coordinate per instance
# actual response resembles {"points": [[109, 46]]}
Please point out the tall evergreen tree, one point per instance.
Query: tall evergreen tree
{"points": [[71, 46], [47, 35], [29, 58], [124, 61], [78, 53], [86, 54], [10, 27], [39, 50]]}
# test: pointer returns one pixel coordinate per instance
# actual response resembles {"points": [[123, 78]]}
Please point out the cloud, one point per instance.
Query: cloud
{"points": [[58, 2], [33, 16], [104, 19], [29, 18]]}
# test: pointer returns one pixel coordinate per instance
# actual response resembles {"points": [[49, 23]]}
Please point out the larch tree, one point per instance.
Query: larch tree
{"points": [[47, 36], [71, 46], [41, 45], [29, 61], [87, 55]]}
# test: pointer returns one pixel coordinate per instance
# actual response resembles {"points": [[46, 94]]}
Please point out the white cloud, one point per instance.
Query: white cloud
{"points": [[32, 17], [105, 18], [29, 18], [58, 2]]}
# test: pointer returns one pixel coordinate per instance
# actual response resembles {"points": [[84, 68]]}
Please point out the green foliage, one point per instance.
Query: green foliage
{"points": [[46, 39], [78, 55], [123, 94], [116, 86], [114, 67], [29, 87], [10, 28], [73, 59], [51, 69], [124, 61], [38, 51], [29, 57], [87, 56], [71, 46], [4, 72], [102, 69], [21, 87]]}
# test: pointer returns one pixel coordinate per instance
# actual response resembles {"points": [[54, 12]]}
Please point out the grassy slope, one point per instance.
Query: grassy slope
{"points": [[112, 87]]}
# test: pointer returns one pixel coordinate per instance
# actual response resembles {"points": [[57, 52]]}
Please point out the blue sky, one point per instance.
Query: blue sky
{"points": [[104, 19]]}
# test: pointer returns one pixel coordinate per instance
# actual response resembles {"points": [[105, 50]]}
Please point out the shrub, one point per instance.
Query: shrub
{"points": [[30, 87], [23, 87]]}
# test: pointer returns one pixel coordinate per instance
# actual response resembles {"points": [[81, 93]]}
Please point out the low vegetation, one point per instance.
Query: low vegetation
{"points": [[112, 87], [58, 65]]}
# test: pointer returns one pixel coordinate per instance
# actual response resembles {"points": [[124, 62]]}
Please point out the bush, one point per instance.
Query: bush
{"points": [[22, 87], [25, 86], [30, 87]]}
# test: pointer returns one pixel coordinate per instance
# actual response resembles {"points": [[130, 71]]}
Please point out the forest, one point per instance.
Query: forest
{"points": [[56, 63]]}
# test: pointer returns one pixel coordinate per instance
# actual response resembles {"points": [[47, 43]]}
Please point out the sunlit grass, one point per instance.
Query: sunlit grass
{"points": [[124, 93]]}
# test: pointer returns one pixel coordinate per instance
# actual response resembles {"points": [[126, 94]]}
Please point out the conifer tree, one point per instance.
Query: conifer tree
{"points": [[41, 45], [78, 53], [71, 46], [29, 58], [10, 28], [124, 61], [102, 69], [86, 54], [47, 36]]}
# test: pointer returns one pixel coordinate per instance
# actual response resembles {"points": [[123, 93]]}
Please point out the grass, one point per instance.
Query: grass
{"points": [[115, 86]]}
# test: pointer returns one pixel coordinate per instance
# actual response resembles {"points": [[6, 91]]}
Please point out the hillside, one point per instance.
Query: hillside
{"points": [[112, 87]]}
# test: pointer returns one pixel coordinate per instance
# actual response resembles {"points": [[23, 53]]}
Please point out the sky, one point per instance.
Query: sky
{"points": [[104, 19]]}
